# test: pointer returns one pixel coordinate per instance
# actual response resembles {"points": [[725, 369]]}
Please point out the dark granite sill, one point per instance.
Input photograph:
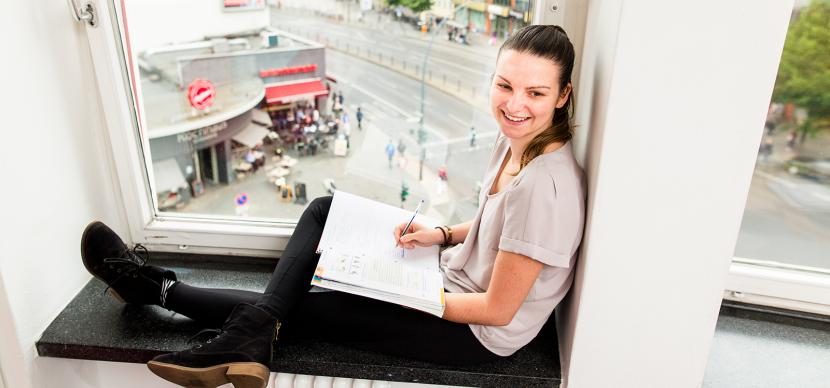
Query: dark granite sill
{"points": [[96, 327]]}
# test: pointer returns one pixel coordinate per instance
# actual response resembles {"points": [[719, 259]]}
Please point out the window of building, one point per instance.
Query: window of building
{"points": [[245, 111], [786, 223]]}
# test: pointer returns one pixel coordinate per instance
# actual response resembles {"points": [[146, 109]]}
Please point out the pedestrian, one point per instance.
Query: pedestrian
{"points": [[315, 116], [340, 99], [347, 132], [359, 116], [401, 147], [504, 273], [390, 152], [472, 137], [791, 136]]}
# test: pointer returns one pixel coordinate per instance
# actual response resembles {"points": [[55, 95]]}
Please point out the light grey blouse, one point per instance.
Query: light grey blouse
{"points": [[539, 215]]}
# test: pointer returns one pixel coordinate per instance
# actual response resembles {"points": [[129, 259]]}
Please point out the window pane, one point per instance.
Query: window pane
{"points": [[787, 217], [252, 108]]}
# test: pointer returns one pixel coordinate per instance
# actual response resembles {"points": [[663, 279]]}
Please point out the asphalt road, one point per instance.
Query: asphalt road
{"points": [[787, 220], [473, 65]]}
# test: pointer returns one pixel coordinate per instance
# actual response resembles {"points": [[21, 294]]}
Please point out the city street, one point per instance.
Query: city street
{"points": [[786, 220]]}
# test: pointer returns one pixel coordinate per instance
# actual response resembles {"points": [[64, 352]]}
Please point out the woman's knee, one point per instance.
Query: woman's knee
{"points": [[319, 207]]}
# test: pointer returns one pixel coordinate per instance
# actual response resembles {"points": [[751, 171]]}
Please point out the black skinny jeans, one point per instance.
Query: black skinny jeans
{"points": [[333, 316]]}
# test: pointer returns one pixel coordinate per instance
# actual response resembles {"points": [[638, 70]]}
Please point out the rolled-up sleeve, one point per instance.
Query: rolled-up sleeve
{"points": [[543, 219]]}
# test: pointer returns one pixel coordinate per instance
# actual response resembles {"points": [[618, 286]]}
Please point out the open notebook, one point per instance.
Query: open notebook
{"points": [[358, 255]]}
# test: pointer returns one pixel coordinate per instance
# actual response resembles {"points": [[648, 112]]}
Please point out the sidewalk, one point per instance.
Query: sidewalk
{"points": [[817, 147]]}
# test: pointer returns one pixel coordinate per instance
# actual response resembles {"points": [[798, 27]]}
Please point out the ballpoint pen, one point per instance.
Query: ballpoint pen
{"points": [[406, 229]]}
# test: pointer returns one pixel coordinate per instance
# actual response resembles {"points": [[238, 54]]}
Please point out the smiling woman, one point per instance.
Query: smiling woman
{"points": [[531, 91]]}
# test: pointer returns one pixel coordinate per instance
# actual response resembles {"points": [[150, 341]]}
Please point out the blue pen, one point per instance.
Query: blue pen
{"points": [[406, 229]]}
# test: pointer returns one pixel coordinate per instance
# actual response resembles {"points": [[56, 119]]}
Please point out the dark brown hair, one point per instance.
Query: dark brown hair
{"points": [[549, 42]]}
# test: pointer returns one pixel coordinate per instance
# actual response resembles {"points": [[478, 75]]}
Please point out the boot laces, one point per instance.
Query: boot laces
{"points": [[211, 334], [130, 262]]}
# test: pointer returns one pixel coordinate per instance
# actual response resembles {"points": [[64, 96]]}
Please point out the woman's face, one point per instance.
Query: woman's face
{"points": [[524, 93]]}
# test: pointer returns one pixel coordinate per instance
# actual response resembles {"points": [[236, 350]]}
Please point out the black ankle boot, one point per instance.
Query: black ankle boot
{"points": [[125, 271], [240, 354]]}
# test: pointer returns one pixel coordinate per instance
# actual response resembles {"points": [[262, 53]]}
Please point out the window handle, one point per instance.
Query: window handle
{"points": [[85, 12]]}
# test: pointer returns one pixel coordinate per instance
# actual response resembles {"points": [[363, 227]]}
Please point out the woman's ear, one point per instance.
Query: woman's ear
{"points": [[563, 97]]}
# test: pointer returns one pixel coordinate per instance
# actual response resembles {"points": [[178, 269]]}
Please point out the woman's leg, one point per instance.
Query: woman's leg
{"points": [[208, 306], [382, 327], [290, 281], [292, 277]]}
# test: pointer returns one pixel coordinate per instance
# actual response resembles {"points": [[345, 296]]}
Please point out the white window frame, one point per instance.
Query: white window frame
{"points": [[751, 281], [165, 232]]}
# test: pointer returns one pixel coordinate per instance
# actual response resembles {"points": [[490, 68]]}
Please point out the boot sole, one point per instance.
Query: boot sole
{"points": [[84, 236], [240, 374]]}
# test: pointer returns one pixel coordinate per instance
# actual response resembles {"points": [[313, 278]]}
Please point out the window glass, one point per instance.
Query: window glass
{"points": [[254, 108], [787, 216]]}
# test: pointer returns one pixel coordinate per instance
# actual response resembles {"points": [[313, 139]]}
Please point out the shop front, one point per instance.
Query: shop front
{"points": [[186, 162]]}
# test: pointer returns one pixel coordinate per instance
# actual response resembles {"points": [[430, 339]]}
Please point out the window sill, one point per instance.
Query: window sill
{"points": [[96, 327]]}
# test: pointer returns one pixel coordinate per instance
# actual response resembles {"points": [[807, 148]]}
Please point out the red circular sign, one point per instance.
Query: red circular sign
{"points": [[201, 93]]}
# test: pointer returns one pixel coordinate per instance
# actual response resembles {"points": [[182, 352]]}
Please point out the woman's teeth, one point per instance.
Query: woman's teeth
{"points": [[515, 119]]}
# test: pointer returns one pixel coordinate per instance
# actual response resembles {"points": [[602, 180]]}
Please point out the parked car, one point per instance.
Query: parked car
{"points": [[817, 170]]}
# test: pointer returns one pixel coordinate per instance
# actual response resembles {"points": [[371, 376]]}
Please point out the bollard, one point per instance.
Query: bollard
{"points": [[444, 76], [459, 85], [430, 75], [474, 91]]}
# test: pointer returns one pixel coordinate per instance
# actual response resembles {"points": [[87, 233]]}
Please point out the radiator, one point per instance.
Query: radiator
{"points": [[289, 380]]}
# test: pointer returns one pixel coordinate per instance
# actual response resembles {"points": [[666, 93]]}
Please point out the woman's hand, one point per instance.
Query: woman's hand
{"points": [[418, 235]]}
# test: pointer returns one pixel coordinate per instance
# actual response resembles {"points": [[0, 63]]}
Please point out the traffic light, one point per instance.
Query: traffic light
{"points": [[422, 136], [404, 192]]}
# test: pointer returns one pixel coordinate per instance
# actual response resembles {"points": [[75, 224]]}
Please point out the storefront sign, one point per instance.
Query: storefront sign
{"points": [[479, 6], [202, 134], [201, 93], [288, 70], [497, 10]]}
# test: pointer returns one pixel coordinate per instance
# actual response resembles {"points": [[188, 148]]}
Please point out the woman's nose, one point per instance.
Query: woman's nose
{"points": [[515, 103]]}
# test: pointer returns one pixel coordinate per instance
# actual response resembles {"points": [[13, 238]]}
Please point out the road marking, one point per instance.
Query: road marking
{"points": [[777, 179], [452, 116], [387, 83], [463, 139], [409, 118], [823, 197]]}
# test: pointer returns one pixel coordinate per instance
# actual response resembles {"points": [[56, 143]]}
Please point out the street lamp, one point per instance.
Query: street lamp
{"points": [[422, 133]]}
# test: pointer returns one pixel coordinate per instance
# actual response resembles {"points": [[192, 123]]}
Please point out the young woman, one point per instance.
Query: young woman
{"points": [[506, 270]]}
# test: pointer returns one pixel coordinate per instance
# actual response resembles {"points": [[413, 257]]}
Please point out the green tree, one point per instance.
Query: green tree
{"points": [[415, 5], [418, 5], [804, 73]]}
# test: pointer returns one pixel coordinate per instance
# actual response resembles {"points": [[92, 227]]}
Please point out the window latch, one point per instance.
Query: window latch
{"points": [[86, 12]]}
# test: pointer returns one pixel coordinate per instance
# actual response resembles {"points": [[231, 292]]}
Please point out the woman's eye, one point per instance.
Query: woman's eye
{"points": [[504, 86], [536, 94]]}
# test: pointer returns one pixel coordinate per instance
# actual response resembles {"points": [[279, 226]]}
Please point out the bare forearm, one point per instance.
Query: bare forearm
{"points": [[459, 232], [472, 308]]}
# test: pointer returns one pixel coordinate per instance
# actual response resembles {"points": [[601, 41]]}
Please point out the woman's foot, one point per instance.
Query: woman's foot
{"points": [[125, 271], [240, 354]]}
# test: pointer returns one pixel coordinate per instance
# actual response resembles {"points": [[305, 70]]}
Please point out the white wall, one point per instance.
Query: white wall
{"points": [[56, 176], [153, 23], [678, 94]]}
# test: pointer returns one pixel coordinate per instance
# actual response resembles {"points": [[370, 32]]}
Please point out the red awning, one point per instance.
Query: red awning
{"points": [[294, 92]]}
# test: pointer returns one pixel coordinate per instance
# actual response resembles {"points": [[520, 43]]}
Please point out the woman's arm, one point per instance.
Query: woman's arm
{"points": [[424, 236], [459, 232], [513, 276]]}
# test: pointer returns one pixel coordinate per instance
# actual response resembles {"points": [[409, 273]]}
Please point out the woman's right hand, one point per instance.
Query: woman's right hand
{"points": [[418, 235]]}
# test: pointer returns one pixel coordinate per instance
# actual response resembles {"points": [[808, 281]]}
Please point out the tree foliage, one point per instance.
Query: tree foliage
{"points": [[804, 73], [415, 5]]}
